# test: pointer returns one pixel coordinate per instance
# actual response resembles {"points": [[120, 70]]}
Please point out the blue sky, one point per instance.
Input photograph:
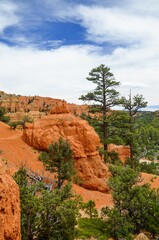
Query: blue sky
{"points": [[48, 47]]}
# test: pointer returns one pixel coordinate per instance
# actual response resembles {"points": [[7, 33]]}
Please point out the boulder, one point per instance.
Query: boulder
{"points": [[9, 208], [84, 141]]}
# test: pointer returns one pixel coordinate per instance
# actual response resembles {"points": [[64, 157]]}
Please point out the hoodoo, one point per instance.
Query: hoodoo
{"points": [[84, 141]]}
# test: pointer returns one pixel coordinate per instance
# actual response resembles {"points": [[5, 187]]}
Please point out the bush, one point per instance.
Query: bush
{"points": [[4, 118], [94, 227], [25, 119]]}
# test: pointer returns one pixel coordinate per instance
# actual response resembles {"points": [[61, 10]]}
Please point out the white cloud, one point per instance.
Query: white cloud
{"points": [[8, 15], [123, 21], [60, 73], [117, 25]]}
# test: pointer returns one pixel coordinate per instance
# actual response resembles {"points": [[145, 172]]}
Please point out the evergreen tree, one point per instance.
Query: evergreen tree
{"points": [[147, 124], [136, 208], [133, 105], [3, 117], [29, 204], [48, 215], [89, 208], [59, 159], [58, 215], [104, 96]]}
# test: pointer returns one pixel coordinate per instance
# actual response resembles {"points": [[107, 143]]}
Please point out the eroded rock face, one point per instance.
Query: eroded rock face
{"points": [[84, 143], [34, 106], [9, 208]]}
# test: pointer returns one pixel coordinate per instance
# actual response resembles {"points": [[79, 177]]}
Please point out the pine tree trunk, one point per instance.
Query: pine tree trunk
{"points": [[105, 138], [131, 141], [104, 121]]}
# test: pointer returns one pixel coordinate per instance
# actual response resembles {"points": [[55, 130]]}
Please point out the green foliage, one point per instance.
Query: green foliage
{"points": [[21, 177], [57, 217], [103, 97], [29, 204], [26, 118], [44, 157], [152, 168], [13, 125], [134, 206], [104, 93], [114, 157], [133, 105], [118, 127], [147, 125], [94, 227], [89, 208], [22, 122], [4, 118], [96, 122], [117, 225], [59, 159], [145, 133], [48, 215]]}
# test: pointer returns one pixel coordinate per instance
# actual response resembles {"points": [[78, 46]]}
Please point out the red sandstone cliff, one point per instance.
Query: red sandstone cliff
{"points": [[82, 137], [9, 208], [34, 106]]}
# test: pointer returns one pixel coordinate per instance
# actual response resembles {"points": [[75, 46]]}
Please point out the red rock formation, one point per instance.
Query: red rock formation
{"points": [[123, 151], [83, 139], [78, 109], [17, 103], [34, 106], [60, 108], [9, 208]]}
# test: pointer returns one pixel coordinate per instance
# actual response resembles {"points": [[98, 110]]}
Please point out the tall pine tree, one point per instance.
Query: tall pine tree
{"points": [[133, 105], [103, 97]]}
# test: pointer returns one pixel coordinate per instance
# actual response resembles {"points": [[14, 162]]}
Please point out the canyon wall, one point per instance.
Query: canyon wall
{"points": [[34, 106], [9, 208]]}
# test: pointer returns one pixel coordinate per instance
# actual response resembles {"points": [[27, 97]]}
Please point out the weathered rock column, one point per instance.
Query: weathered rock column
{"points": [[84, 141], [9, 208]]}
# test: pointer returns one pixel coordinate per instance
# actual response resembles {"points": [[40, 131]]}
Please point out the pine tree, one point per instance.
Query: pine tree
{"points": [[103, 97], [133, 105], [136, 208], [59, 159]]}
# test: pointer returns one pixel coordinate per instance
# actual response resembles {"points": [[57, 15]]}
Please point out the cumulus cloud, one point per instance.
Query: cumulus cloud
{"points": [[59, 73], [117, 26], [8, 15], [129, 27]]}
